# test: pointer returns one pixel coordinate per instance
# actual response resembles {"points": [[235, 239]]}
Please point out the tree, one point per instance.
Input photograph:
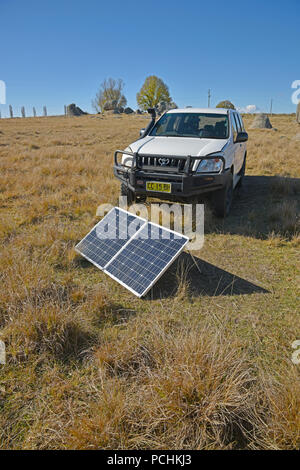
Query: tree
{"points": [[225, 104], [152, 92], [110, 94]]}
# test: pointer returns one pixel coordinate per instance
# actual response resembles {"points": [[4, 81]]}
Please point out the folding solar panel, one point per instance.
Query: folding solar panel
{"points": [[139, 253]]}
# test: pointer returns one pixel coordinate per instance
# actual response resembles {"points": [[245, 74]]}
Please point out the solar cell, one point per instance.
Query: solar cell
{"points": [[141, 262], [108, 236]]}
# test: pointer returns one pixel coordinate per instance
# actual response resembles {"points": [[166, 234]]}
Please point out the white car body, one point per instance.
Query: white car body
{"points": [[185, 154], [233, 153]]}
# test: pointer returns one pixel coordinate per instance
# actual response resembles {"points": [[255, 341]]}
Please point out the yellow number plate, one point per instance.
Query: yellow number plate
{"points": [[158, 187]]}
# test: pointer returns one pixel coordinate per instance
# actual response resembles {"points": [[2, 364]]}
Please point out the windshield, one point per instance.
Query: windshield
{"points": [[197, 125]]}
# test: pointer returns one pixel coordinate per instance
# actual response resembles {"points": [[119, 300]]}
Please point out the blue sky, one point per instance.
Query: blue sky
{"points": [[58, 52]]}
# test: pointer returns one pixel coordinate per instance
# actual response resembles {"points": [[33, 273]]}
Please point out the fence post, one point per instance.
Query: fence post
{"points": [[11, 111], [45, 111]]}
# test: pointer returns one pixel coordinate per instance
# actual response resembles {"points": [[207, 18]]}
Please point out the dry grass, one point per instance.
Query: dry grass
{"points": [[204, 362]]}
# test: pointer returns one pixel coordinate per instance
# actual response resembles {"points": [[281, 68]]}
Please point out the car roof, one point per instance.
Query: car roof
{"points": [[200, 110]]}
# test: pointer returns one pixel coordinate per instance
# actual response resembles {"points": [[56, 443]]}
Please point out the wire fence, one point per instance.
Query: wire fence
{"points": [[21, 112]]}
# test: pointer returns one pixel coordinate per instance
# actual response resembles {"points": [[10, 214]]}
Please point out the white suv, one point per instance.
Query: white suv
{"points": [[184, 154]]}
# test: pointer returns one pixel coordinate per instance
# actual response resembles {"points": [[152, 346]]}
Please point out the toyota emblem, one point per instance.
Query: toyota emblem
{"points": [[163, 161]]}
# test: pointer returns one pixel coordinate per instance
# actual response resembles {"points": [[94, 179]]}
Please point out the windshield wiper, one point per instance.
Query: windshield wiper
{"points": [[180, 135]]}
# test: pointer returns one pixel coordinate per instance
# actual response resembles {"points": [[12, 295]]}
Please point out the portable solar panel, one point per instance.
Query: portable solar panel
{"points": [[139, 253]]}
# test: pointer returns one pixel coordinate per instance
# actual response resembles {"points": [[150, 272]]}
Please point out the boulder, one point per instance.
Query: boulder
{"points": [[128, 110], [73, 110], [261, 121], [298, 113]]}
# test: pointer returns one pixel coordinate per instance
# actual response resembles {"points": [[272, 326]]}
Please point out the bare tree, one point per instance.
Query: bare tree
{"points": [[110, 95]]}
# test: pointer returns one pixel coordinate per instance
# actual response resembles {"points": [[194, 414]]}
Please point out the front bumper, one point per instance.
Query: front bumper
{"points": [[184, 184]]}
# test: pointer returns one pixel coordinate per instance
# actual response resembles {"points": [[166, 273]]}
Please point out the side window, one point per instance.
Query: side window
{"points": [[241, 121], [239, 118], [238, 124], [234, 127]]}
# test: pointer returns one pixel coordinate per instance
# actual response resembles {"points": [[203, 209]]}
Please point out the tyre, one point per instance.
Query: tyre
{"points": [[131, 196], [222, 199], [242, 173], [125, 191], [142, 198]]}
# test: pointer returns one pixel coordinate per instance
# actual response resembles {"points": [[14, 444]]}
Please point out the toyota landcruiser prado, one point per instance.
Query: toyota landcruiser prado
{"points": [[185, 154]]}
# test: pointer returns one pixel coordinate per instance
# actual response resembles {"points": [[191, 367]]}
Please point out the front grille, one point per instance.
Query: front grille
{"points": [[161, 163]]}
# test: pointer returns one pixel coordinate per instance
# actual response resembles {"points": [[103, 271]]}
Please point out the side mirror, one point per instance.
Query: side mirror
{"points": [[241, 137], [142, 131]]}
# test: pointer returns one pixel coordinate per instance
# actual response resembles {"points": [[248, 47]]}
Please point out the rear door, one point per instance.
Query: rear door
{"points": [[239, 147], [243, 145]]}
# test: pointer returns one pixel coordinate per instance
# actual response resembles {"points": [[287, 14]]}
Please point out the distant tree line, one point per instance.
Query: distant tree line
{"points": [[153, 92]]}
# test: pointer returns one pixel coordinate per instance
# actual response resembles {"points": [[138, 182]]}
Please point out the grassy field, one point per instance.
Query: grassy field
{"points": [[204, 362]]}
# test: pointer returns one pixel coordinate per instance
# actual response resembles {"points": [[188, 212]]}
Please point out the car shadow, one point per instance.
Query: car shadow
{"points": [[252, 205], [202, 279]]}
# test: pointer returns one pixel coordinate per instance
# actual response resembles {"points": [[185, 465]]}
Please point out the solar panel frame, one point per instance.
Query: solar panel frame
{"points": [[168, 264], [102, 221]]}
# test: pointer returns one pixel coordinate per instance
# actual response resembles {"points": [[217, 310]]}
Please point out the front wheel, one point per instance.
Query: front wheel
{"points": [[131, 196], [125, 191], [222, 199]]}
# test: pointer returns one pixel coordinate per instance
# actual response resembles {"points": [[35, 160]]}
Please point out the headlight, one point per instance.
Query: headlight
{"points": [[127, 159], [210, 165]]}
